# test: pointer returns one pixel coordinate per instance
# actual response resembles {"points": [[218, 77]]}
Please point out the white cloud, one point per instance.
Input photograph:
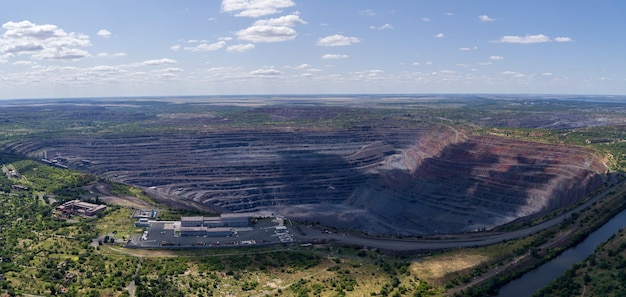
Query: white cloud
{"points": [[284, 21], [104, 68], [23, 63], [445, 71], [425, 19], [169, 70], [374, 73], [42, 41], [383, 27], [42, 76], [337, 40], [266, 71], [334, 56], [226, 74], [26, 29], [563, 39], [67, 54], [175, 47], [103, 54], [18, 48], [163, 61], [305, 67], [204, 47], [104, 33], [255, 8], [440, 35], [539, 38], [466, 49], [367, 12], [514, 74], [547, 74], [302, 66], [485, 18], [240, 48], [267, 34], [272, 30], [496, 58]]}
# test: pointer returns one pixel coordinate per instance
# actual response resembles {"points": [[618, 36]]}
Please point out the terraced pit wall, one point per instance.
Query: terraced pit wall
{"points": [[389, 180]]}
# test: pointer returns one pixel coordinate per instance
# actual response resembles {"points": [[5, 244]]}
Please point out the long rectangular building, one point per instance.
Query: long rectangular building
{"points": [[202, 231], [191, 221], [224, 220]]}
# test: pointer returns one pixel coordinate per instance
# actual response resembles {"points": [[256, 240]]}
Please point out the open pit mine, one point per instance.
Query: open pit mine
{"points": [[385, 180]]}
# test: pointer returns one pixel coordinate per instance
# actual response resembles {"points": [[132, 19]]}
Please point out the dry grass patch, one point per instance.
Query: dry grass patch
{"points": [[433, 269], [117, 221]]}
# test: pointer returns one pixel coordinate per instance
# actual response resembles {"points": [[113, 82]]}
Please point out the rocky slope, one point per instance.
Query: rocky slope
{"points": [[389, 180]]}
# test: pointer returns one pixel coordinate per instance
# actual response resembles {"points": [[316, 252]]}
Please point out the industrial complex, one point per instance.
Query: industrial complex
{"points": [[225, 230], [213, 226]]}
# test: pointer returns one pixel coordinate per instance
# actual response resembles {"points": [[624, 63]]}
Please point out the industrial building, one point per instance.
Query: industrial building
{"points": [[213, 226], [224, 220], [206, 231], [19, 188], [77, 207], [142, 222], [191, 222]]}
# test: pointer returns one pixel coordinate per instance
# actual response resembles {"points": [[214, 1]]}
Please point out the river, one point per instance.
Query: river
{"points": [[538, 278]]}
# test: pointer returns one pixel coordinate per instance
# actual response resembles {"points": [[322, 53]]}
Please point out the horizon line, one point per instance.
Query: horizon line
{"points": [[312, 94]]}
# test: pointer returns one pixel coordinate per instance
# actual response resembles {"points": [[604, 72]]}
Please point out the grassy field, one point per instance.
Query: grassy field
{"points": [[435, 269]]}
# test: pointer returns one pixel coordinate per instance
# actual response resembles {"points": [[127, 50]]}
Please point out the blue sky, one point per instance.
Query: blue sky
{"points": [[68, 48]]}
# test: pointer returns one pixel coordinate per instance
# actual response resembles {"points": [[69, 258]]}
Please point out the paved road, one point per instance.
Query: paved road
{"points": [[481, 239]]}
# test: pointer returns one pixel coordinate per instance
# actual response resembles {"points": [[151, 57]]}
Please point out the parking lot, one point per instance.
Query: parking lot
{"points": [[162, 234]]}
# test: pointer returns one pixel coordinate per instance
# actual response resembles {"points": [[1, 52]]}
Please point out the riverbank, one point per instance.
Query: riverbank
{"points": [[548, 245], [600, 274]]}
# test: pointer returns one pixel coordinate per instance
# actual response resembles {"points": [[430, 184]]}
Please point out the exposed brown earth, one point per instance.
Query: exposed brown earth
{"points": [[103, 191], [388, 180]]}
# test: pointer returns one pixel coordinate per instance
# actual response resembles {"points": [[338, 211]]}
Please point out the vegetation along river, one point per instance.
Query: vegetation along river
{"points": [[538, 278]]}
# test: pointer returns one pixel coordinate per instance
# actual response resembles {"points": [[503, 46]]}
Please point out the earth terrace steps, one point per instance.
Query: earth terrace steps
{"points": [[383, 180], [494, 179]]}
